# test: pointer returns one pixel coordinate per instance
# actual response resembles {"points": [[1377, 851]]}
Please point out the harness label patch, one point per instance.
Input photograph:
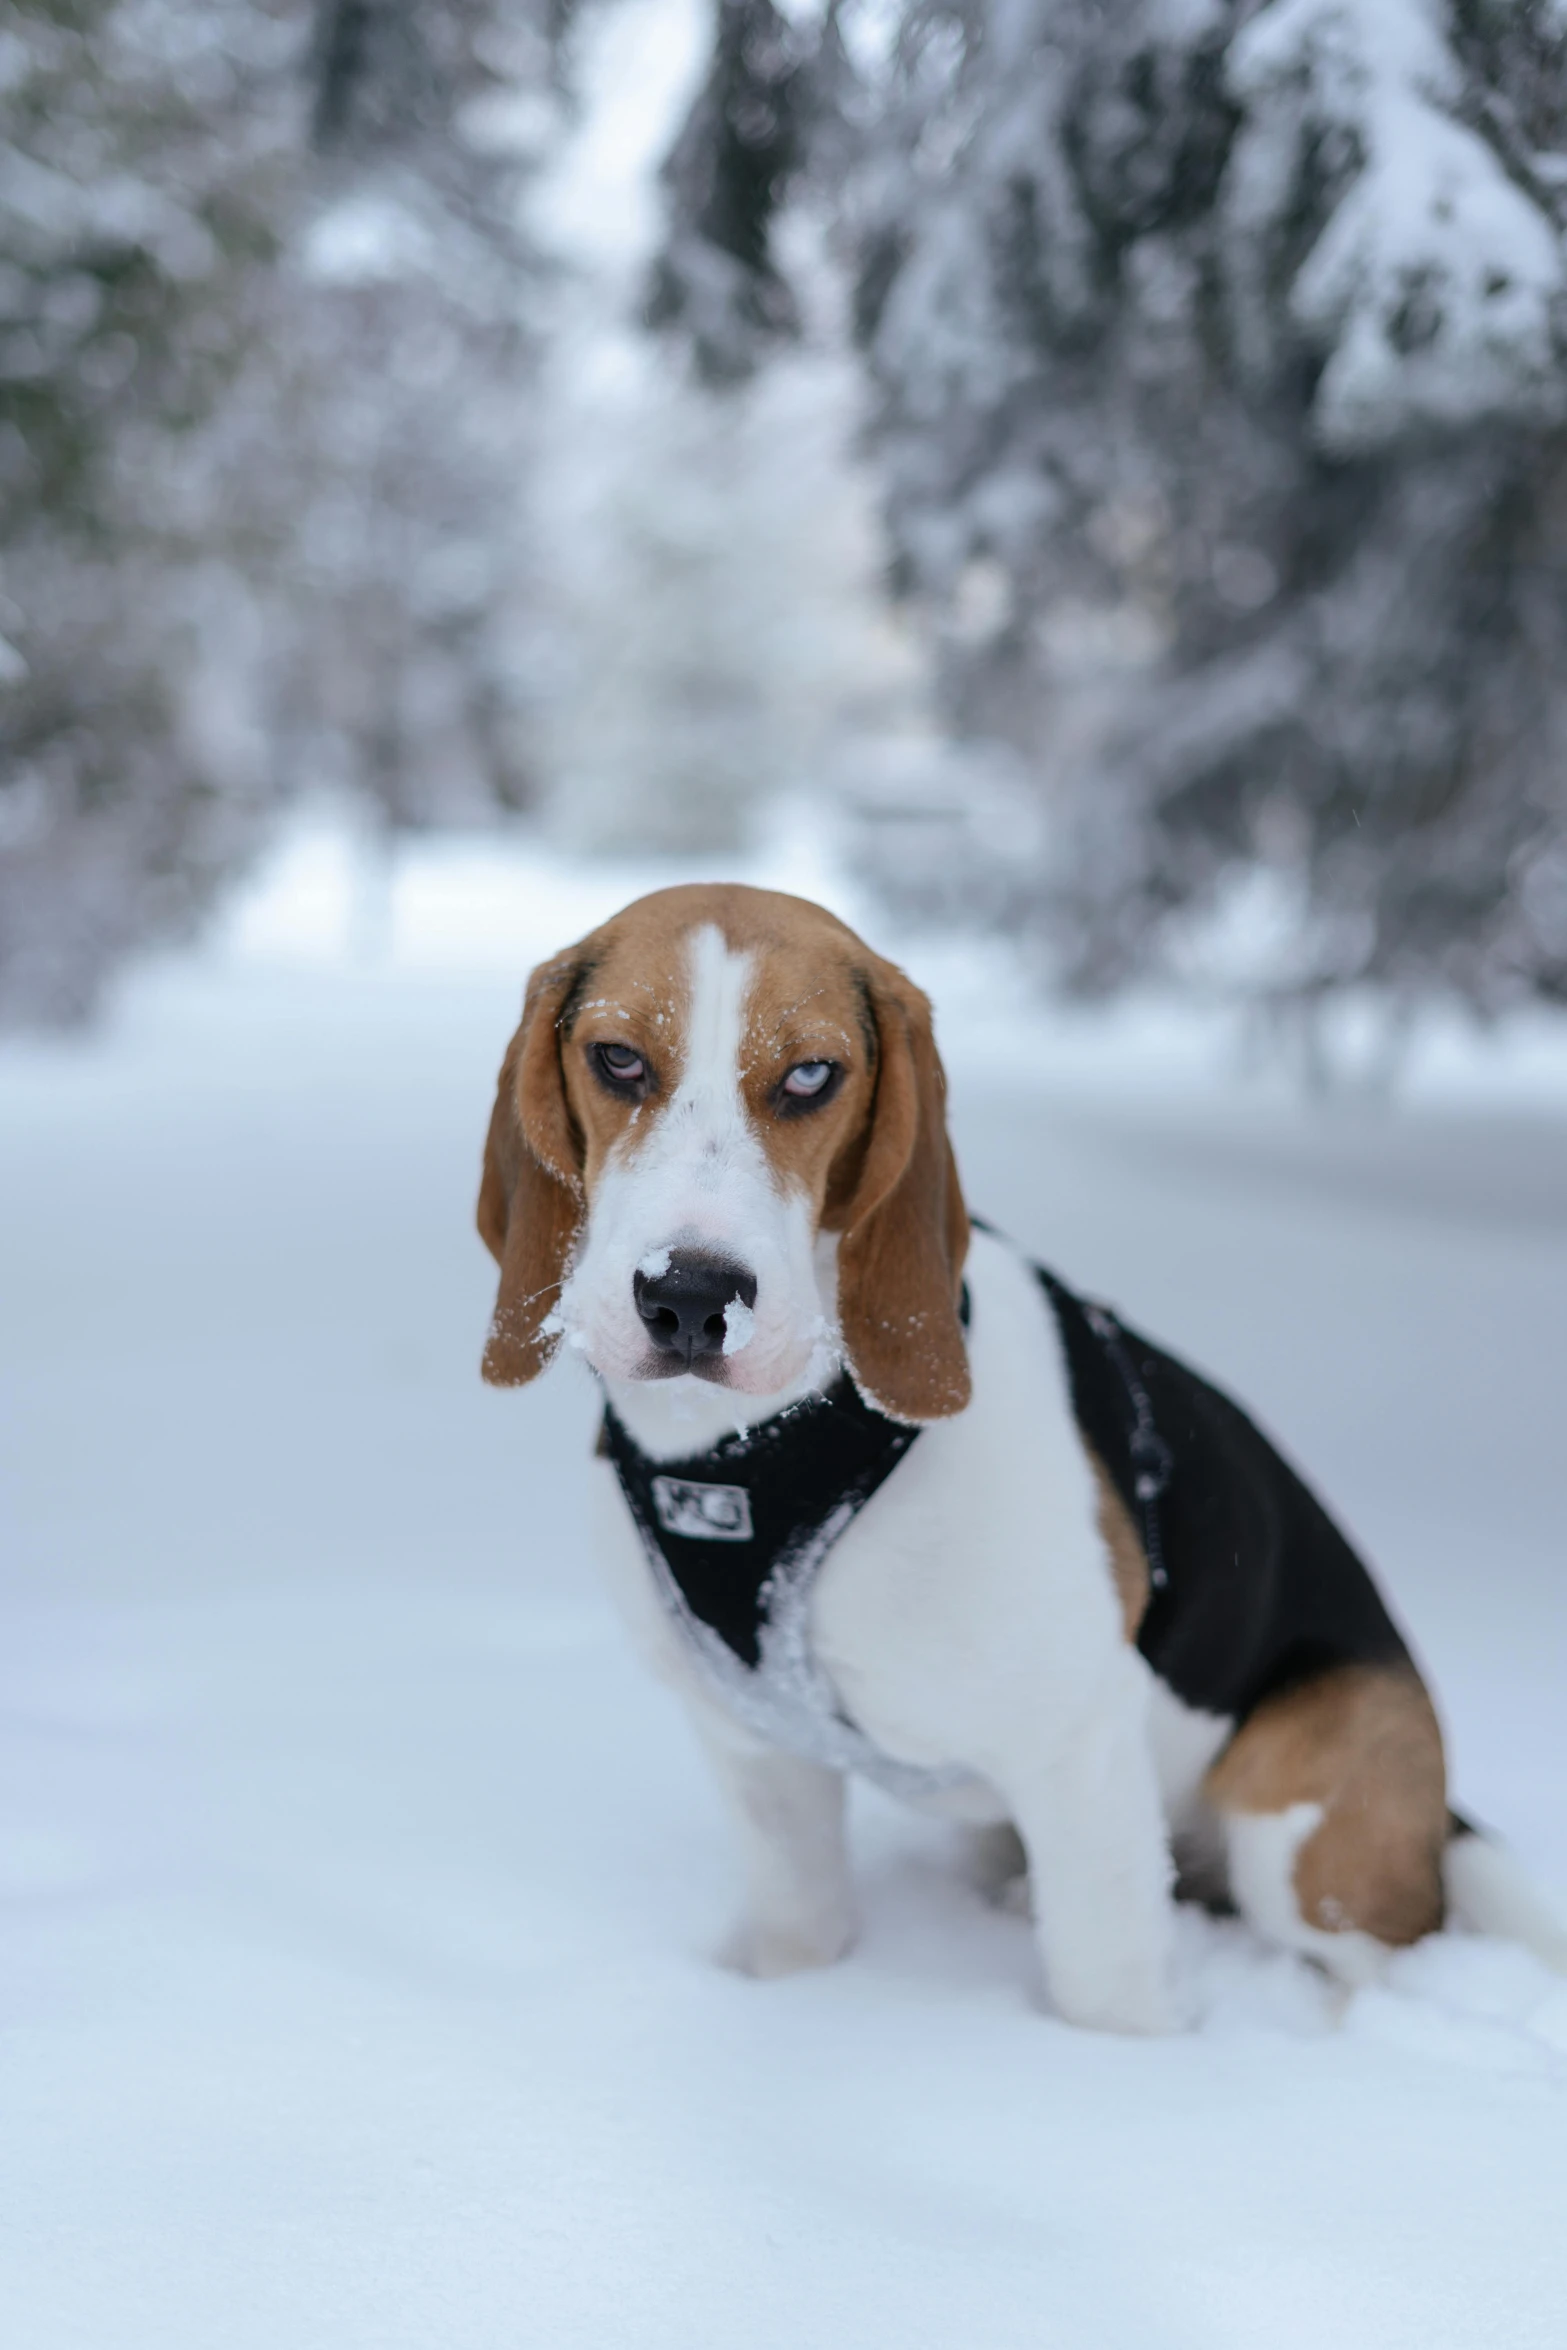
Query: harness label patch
{"points": [[709, 1513]]}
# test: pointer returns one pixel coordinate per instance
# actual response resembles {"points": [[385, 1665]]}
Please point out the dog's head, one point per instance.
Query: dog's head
{"points": [[707, 1101]]}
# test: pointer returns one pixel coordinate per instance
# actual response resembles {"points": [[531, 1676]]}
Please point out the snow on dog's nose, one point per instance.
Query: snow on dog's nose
{"points": [[694, 1304]]}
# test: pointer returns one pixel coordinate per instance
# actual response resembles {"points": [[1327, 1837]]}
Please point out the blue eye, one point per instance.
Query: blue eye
{"points": [[808, 1078]]}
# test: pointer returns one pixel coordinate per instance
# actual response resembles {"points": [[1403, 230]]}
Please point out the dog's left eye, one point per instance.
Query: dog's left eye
{"points": [[807, 1079], [620, 1064]]}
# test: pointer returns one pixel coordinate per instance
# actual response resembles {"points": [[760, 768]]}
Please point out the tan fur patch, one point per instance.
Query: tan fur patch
{"points": [[1364, 1742], [1128, 1560], [530, 1198]]}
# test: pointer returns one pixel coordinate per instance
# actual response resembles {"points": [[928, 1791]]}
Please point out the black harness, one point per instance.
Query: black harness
{"points": [[730, 1524], [1252, 1586]]}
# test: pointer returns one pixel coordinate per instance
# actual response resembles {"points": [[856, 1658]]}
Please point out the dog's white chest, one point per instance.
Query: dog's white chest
{"points": [[905, 1644]]}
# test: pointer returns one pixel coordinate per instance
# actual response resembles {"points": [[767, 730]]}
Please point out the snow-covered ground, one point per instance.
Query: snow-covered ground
{"points": [[356, 1891]]}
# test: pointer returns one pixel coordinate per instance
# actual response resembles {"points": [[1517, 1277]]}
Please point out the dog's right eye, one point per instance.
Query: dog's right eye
{"points": [[620, 1067]]}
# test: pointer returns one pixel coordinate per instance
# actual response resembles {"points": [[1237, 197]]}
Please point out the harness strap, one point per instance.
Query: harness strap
{"points": [[1115, 1413], [736, 1526], [735, 1539], [1152, 1460]]}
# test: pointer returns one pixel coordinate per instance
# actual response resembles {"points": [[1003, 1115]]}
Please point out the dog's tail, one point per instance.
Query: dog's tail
{"points": [[1490, 1891]]}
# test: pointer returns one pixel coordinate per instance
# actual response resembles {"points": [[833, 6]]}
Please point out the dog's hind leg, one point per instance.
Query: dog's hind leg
{"points": [[1332, 1796]]}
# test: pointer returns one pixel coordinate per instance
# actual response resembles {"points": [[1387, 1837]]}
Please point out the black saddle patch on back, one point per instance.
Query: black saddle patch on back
{"points": [[1254, 1586]]}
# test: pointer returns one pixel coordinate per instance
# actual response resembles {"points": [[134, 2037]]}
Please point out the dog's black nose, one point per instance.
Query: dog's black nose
{"points": [[683, 1307]]}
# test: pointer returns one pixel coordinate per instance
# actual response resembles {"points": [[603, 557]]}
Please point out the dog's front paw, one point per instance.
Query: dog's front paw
{"points": [[1144, 2011], [1144, 1995], [768, 1948]]}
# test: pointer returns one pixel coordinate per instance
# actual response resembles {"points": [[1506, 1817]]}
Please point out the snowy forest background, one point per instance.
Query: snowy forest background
{"points": [[1114, 460], [1076, 485]]}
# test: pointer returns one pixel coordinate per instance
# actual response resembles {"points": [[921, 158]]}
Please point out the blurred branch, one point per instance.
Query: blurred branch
{"points": [[743, 141]]}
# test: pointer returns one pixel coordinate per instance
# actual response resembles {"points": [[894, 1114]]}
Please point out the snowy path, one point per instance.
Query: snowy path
{"points": [[355, 1888]]}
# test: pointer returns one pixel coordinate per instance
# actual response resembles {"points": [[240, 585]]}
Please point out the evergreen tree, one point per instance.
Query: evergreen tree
{"points": [[1219, 353], [706, 631], [146, 148], [262, 441], [404, 407]]}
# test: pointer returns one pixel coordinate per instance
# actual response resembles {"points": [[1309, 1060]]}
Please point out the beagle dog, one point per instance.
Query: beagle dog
{"points": [[879, 1495]]}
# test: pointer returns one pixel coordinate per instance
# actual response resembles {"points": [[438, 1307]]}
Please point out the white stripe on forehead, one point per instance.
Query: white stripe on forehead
{"points": [[720, 985]]}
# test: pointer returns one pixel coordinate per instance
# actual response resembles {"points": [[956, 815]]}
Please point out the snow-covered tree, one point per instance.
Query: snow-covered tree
{"points": [[404, 405], [705, 628], [143, 173], [710, 634], [1220, 360], [262, 440]]}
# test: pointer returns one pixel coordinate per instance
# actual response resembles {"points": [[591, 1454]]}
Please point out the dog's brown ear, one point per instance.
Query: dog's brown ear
{"points": [[530, 1194], [905, 1228]]}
